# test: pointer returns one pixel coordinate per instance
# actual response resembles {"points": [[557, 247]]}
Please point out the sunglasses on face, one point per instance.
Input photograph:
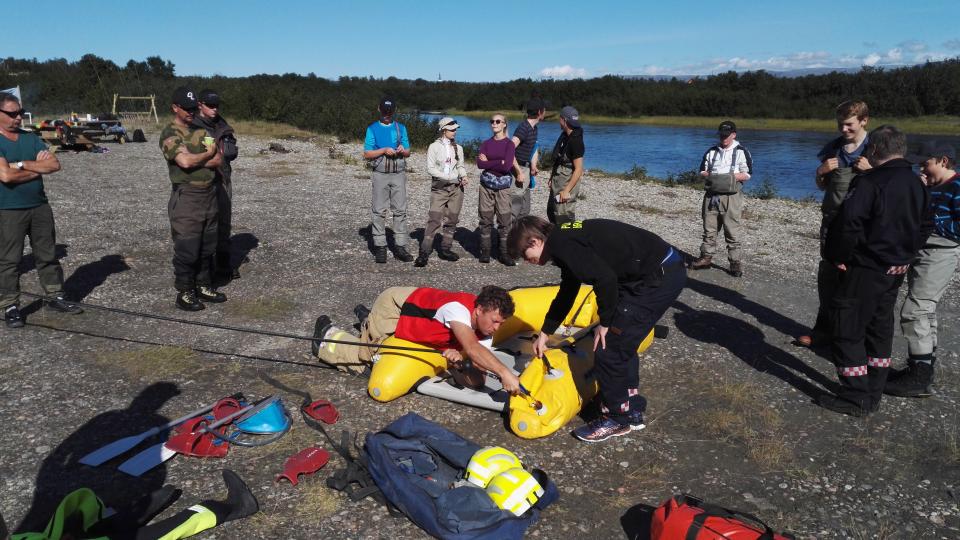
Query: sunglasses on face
{"points": [[12, 114], [496, 121]]}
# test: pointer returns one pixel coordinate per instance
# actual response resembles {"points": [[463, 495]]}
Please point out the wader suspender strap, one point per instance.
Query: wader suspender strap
{"points": [[733, 159], [356, 472]]}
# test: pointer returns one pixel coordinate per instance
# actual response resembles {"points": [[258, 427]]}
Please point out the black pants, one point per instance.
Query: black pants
{"points": [[828, 278], [617, 367], [15, 226], [224, 223], [861, 313], [193, 224]]}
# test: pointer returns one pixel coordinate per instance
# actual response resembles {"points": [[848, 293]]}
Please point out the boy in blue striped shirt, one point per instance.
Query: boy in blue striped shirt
{"points": [[930, 275]]}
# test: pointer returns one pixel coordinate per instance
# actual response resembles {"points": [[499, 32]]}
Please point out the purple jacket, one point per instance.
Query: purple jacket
{"points": [[499, 156]]}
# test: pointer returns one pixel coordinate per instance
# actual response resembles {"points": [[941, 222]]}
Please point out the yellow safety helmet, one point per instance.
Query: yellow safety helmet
{"points": [[488, 462], [515, 490]]}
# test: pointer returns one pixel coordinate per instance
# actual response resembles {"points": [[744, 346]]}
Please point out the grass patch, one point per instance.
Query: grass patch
{"points": [[157, 362], [259, 128], [640, 207], [737, 417], [312, 503], [278, 169], [260, 308]]}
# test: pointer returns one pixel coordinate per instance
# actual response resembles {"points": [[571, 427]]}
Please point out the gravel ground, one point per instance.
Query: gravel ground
{"points": [[730, 414]]}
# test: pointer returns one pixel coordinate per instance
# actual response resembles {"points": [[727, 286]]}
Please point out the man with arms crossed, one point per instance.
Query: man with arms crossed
{"points": [[24, 211]]}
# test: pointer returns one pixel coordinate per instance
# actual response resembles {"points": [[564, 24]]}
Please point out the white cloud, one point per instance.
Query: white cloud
{"points": [[913, 45], [563, 72]]}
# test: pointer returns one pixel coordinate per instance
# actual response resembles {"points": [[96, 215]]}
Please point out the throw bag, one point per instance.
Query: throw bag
{"points": [[419, 466], [684, 517]]}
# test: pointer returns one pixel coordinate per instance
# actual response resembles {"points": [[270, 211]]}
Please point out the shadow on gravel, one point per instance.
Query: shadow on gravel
{"points": [[468, 240], [240, 247], [367, 234], [86, 278], [636, 522], [749, 344], [780, 323], [28, 263], [62, 473]]}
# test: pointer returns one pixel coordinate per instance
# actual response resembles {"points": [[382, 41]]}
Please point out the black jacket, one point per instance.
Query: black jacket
{"points": [[221, 131], [606, 254], [883, 219]]}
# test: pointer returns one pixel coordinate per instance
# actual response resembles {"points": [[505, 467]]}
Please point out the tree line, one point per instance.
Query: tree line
{"points": [[346, 105]]}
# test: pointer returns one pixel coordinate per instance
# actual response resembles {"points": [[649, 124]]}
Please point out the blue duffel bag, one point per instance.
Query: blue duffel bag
{"points": [[416, 464]]}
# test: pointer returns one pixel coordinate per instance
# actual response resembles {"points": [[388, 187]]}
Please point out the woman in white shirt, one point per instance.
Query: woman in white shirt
{"points": [[445, 165]]}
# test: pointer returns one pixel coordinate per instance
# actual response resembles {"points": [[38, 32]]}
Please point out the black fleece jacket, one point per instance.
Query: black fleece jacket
{"points": [[884, 219], [603, 253]]}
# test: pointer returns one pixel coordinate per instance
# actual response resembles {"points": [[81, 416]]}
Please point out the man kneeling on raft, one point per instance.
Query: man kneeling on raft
{"points": [[459, 324]]}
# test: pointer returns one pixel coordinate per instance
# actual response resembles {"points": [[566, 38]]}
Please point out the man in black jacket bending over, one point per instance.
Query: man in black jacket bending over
{"points": [[635, 275], [872, 242]]}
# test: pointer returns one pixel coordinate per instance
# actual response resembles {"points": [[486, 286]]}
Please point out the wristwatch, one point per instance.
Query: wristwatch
{"points": [[19, 165]]}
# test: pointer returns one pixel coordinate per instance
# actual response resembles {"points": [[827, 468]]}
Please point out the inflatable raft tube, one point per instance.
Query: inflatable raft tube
{"points": [[560, 384]]}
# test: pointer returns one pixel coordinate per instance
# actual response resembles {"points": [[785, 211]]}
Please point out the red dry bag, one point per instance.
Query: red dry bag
{"points": [[684, 517]]}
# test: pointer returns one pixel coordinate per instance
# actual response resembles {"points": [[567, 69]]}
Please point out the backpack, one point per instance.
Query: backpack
{"points": [[685, 517], [417, 465]]}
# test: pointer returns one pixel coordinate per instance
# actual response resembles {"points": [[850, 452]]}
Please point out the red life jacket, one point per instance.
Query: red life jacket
{"points": [[417, 324]]}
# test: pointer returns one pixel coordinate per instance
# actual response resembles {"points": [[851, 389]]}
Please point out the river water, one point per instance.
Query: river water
{"points": [[787, 158]]}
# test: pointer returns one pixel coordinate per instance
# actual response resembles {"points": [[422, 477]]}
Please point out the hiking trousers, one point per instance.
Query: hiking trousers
{"points": [[927, 280], [378, 326], [862, 318], [726, 213], [193, 225], [446, 201], [562, 212], [15, 226], [617, 367], [389, 193], [494, 204]]}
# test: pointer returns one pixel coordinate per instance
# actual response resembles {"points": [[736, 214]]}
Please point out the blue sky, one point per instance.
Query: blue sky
{"points": [[489, 41]]}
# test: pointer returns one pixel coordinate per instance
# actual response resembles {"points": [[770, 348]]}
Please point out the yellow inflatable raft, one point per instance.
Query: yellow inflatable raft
{"points": [[559, 381]]}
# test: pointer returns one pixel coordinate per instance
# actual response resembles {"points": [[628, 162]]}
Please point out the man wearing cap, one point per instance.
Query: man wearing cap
{"points": [[725, 166], [192, 160], [567, 168], [840, 160], [386, 147], [445, 165], [525, 139], [872, 241], [25, 211], [929, 277], [217, 127]]}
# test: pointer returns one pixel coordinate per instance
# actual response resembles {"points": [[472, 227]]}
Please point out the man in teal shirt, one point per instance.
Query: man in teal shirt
{"points": [[386, 147], [24, 210]]}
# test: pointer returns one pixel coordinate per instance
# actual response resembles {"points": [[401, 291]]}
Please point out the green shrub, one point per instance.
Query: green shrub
{"points": [[766, 190]]}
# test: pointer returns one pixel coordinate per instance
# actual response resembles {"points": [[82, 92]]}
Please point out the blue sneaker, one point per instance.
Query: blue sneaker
{"points": [[636, 420], [601, 429]]}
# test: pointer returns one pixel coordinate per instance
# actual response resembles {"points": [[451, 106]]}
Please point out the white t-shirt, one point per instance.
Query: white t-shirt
{"points": [[455, 311]]}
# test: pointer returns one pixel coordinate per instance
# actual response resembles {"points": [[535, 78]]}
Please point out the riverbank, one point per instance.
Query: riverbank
{"points": [[730, 416], [920, 125]]}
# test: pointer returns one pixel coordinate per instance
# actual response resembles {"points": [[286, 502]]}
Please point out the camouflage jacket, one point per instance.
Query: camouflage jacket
{"points": [[172, 139]]}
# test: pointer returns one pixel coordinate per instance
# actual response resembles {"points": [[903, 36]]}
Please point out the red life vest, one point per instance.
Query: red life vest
{"points": [[417, 324]]}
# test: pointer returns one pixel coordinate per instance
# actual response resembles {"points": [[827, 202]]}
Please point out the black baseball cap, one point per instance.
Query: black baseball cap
{"points": [[209, 97], [535, 104], [387, 106], [726, 128], [185, 98], [933, 149]]}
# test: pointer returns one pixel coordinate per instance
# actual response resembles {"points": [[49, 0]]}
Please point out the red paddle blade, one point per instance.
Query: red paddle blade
{"points": [[306, 461], [323, 411]]}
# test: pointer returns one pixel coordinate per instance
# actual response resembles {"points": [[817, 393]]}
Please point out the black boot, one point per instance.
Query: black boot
{"points": [[380, 254], [854, 396], [506, 260], [239, 503], [915, 381], [422, 260], [319, 330], [447, 254], [401, 254], [484, 255]]}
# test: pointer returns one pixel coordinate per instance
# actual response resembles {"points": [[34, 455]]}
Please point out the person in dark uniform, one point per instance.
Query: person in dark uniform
{"points": [[192, 157], [217, 127], [874, 239], [567, 170], [635, 274]]}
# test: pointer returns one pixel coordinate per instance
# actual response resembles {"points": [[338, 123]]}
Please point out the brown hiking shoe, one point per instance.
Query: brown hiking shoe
{"points": [[702, 263], [736, 269]]}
